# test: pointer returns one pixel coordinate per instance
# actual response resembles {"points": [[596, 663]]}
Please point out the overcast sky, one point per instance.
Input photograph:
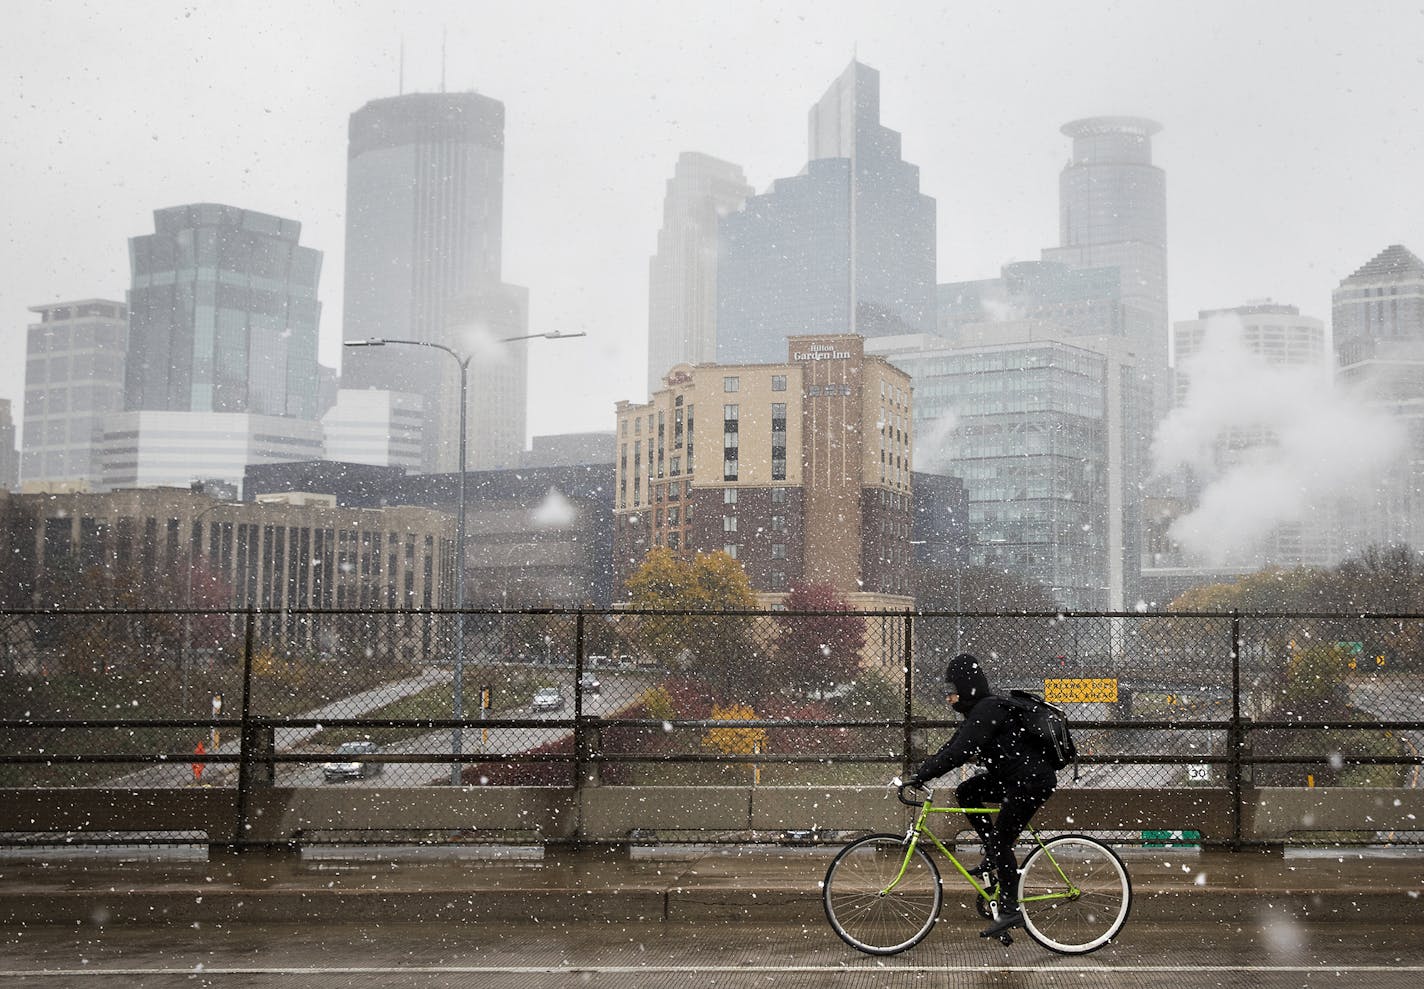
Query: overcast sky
{"points": [[1293, 136]]}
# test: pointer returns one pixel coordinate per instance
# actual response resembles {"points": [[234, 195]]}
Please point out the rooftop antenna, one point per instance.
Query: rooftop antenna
{"points": [[442, 59], [400, 78]]}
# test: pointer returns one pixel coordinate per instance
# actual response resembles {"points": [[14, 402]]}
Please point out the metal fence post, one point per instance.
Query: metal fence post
{"points": [[909, 659], [1236, 737], [579, 728], [247, 745]]}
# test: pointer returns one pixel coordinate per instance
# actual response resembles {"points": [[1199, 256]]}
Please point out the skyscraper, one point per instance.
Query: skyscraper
{"points": [[1112, 212], [847, 246], [682, 275], [1031, 417], [75, 354], [1378, 323], [223, 314], [424, 221]]}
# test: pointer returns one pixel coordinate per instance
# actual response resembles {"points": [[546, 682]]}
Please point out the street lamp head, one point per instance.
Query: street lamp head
{"points": [[551, 335], [372, 342]]}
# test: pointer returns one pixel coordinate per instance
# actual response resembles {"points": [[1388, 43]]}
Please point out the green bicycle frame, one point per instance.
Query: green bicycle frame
{"points": [[918, 830]]}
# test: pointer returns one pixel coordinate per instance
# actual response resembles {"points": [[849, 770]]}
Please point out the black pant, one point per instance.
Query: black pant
{"points": [[1018, 799]]}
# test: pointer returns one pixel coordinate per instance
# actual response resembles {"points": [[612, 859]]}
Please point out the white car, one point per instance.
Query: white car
{"points": [[548, 699], [346, 762]]}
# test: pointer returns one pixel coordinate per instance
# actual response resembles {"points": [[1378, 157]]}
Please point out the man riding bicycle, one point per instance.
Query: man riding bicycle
{"points": [[1016, 775]]}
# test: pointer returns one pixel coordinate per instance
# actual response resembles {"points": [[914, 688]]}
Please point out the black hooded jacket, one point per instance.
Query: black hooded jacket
{"points": [[992, 734]]}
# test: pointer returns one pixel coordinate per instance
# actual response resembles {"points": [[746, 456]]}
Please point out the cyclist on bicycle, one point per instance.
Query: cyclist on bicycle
{"points": [[1016, 775]]}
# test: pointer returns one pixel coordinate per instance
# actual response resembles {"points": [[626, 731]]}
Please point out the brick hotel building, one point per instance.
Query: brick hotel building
{"points": [[801, 471]]}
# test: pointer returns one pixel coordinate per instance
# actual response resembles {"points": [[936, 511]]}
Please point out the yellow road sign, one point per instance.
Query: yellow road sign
{"points": [[1086, 690]]}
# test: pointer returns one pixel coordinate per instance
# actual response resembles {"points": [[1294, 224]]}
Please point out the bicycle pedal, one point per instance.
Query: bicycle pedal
{"points": [[1005, 940]]}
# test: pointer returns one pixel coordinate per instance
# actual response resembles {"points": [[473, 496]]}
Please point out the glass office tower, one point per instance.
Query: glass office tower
{"points": [[223, 315], [1031, 417], [424, 235], [847, 246]]}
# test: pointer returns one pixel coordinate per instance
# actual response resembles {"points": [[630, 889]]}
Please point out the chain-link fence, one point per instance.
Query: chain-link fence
{"points": [[607, 698]]}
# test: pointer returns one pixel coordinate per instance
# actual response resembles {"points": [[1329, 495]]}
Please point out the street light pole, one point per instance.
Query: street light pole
{"points": [[463, 360]]}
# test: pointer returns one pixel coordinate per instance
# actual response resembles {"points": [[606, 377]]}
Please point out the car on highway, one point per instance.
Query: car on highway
{"points": [[588, 683], [548, 699], [347, 762]]}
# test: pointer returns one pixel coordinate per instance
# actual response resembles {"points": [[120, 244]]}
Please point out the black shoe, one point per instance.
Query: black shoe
{"points": [[984, 872], [1008, 920]]}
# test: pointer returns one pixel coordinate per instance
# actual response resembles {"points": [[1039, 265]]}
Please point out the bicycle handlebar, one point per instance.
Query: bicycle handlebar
{"points": [[900, 795]]}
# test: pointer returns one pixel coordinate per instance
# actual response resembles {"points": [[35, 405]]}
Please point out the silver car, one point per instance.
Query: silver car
{"points": [[548, 699], [347, 762]]}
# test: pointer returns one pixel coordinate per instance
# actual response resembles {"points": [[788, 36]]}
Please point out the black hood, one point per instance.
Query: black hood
{"points": [[967, 678]]}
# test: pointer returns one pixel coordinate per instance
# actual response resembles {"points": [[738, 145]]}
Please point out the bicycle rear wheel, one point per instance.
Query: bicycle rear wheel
{"points": [[867, 908], [1086, 894]]}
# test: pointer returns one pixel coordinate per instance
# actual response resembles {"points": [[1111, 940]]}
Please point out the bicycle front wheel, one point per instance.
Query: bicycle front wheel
{"points": [[874, 904], [1075, 893]]}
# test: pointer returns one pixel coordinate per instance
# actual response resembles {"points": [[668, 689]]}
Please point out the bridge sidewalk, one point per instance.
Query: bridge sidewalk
{"points": [[669, 885]]}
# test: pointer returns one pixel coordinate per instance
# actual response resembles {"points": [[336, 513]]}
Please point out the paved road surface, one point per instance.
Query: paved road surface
{"points": [[1273, 954]]}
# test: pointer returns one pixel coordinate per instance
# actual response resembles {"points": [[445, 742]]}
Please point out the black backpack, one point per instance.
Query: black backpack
{"points": [[1048, 726]]}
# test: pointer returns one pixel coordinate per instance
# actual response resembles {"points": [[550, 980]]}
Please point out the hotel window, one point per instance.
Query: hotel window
{"points": [[778, 551], [675, 466], [729, 523], [778, 580], [730, 418], [658, 517], [730, 549], [778, 496], [778, 382], [672, 515], [729, 496], [731, 383], [778, 523], [673, 540]]}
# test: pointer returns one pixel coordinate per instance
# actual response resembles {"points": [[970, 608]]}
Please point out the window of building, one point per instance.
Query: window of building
{"points": [[675, 466], [729, 496], [731, 383], [778, 496], [673, 514], [674, 540], [729, 470], [729, 523], [778, 551], [778, 523], [778, 583], [778, 382], [730, 549], [731, 413]]}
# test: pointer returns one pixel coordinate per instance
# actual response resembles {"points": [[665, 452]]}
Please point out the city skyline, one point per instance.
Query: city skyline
{"points": [[983, 127]]}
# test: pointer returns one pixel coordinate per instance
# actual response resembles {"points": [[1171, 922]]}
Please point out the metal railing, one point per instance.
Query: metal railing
{"points": [[587, 705]]}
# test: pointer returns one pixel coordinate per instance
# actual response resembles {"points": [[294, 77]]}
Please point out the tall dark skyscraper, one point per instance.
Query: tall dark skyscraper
{"points": [[424, 222], [223, 315], [1112, 213], [846, 246]]}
